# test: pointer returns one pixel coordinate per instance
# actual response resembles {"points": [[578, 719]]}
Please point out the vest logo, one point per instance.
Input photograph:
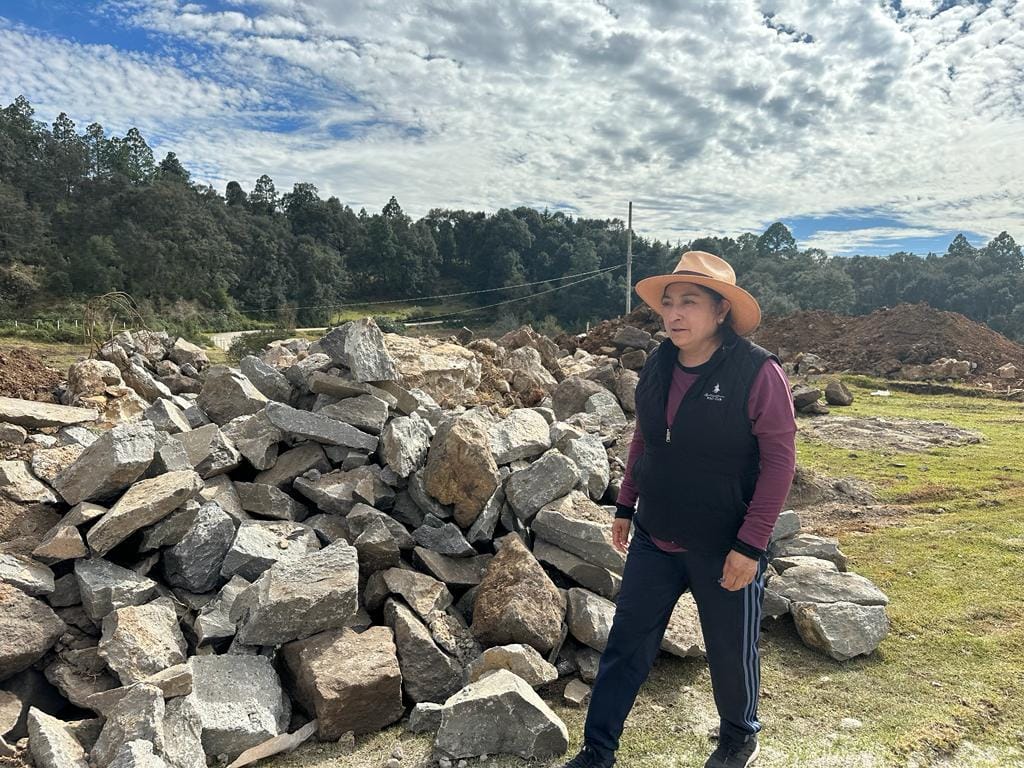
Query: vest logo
{"points": [[714, 394]]}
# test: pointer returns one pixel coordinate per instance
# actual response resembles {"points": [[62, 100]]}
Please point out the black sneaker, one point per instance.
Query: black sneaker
{"points": [[734, 754], [589, 758]]}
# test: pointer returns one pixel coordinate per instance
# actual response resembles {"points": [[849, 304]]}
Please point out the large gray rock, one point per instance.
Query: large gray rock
{"points": [[221, 489], [239, 700], [349, 682], [595, 578], [115, 461], [138, 716], [841, 629], [322, 429], [377, 548], [528, 372], [577, 525], [183, 733], [291, 464], [255, 438], [172, 528], [454, 571], [605, 405], [26, 574], [589, 617], [291, 601], [428, 674], [28, 629], [185, 352], [548, 478], [259, 544], [168, 417], [228, 394], [460, 468], [517, 602], [781, 564], [141, 640], [368, 413], [446, 539], [105, 587], [173, 682], [209, 450], [571, 396], [194, 563], [808, 545], [787, 524], [145, 503], [339, 491], [52, 744], [808, 584], [500, 714], [424, 594], [266, 378], [18, 484], [35, 415], [214, 619], [362, 514], [521, 660], [359, 346], [591, 459], [405, 443], [79, 674], [523, 434], [269, 501]]}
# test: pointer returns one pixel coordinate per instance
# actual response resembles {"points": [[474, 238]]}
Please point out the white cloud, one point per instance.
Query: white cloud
{"points": [[710, 118]]}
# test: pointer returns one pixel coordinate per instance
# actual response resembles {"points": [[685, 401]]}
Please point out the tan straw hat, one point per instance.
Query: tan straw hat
{"points": [[707, 269]]}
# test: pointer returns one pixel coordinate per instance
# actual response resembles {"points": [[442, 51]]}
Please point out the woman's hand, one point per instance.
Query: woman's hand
{"points": [[620, 533], [739, 571]]}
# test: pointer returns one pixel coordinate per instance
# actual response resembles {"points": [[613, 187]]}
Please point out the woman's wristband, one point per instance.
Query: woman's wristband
{"points": [[622, 512]]}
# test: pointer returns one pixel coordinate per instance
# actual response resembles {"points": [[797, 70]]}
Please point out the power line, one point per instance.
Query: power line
{"points": [[592, 273]]}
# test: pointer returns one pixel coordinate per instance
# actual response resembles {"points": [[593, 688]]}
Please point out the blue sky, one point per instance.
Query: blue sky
{"points": [[865, 127]]}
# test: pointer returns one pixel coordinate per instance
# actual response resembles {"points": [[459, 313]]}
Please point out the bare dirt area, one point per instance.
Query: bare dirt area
{"points": [[829, 505], [885, 434], [24, 374]]}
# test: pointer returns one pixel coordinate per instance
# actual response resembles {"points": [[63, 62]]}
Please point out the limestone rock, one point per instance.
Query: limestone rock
{"points": [[322, 429], [18, 484], [105, 587], [26, 574], [807, 584], [595, 578], [359, 346], [209, 450], [808, 545], [28, 629], [214, 619], [255, 438], [139, 716], [269, 501], [259, 544], [139, 641], [550, 477], [460, 468], [589, 617], [421, 592], [841, 629], [577, 525], [294, 463], [522, 660], [405, 443], [51, 743], [194, 563], [228, 394], [37, 415], [266, 378], [523, 434]]}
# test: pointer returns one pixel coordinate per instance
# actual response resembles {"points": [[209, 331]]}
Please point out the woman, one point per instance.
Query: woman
{"points": [[709, 468]]}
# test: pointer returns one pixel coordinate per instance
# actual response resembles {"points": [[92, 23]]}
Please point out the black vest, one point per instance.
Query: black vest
{"points": [[696, 479]]}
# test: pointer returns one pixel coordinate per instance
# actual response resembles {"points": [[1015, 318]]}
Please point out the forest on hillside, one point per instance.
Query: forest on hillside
{"points": [[84, 213]]}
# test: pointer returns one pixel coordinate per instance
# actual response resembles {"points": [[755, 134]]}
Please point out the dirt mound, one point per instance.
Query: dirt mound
{"points": [[879, 343], [23, 374], [906, 334]]}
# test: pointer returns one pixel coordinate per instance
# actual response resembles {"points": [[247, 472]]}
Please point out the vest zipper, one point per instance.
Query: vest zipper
{"points": [[668, 435]]}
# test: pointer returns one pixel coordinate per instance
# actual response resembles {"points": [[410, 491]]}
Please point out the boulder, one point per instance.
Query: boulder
{"points": [[359, 346], [548, 478], [52, 744], [362, 514], [255, 438], [214, 620], [194, 563], [428, 674], [526, 726], [591, 459], [294, 463], [294, 600], [18, 484], [339, 491], [365, 412], [595, 578], [115, 461], [807, 584], [523, 434], [259, 544], [837, 393], [589, 617], [145, 503], [105, 587], [269, 501], [787, 524], [138, 716], [404, 444], [577, 525], [445, 539], [683, 636], [841, 629], [808, 545], [313, 426], [422, 593], [141, 640], [239, 701], [377, 548], [209, 450], [26, 574], [28, 629], [228, 394], [460, 468], [521, 660], [516, 602], [266, 378], [447, 372], [571, 396], [137, 754], [453, 571]]}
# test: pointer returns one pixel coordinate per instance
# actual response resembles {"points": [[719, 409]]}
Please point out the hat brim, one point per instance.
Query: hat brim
{"points": [[746, 312]]}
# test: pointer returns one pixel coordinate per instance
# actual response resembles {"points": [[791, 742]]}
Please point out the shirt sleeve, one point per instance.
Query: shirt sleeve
{"points": [[773, 423], [626, 500]]}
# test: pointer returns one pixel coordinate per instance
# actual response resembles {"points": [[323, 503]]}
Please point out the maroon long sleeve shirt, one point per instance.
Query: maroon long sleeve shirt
{"points": [[773, 424]]}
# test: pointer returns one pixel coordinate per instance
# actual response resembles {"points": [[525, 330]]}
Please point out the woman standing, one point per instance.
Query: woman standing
{"points": [[709, 468]]}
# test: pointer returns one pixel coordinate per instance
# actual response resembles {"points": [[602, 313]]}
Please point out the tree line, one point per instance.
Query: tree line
{"points": [[85, 213]]}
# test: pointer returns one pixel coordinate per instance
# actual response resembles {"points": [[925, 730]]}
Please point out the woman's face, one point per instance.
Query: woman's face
{"points": [[690, 316]]}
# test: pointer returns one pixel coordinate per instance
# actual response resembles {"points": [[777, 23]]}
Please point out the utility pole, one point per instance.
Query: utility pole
{"points": [[629, 260]]}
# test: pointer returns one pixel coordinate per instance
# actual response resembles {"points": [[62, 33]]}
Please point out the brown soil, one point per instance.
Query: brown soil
{"points": [[877, 344], [24, 374]]}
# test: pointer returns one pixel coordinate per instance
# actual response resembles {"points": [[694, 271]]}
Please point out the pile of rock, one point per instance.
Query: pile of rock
{"points": [[807, 397], [311, 543], [835, 611]]}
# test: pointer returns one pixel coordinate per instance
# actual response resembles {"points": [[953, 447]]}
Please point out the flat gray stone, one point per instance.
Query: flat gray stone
{"points": [[228, 394], [523, 434], [808, 545], [105, 587], [521, 660], [423, 593], [115, 461], [526, 726], [454, 571], [322, 429], [425, 717], [19, 484], [145, 503], [141, 640], [594, 577], [364, 412], [269, 501], [548, 478], [239, 700], [787, 524], [359, 346], [266, 378], [214, 620], [446, 539], [172, 528], [35, 415], [194, 563], [808, 584], [255, 438], [183, 733], [221, 489], [259, 544], [591, 459], [26, 574], [362, 514], [428, 674], [209, 450], [51, 743], [589, 617], [166, 416], [339, 491], [294, 600], [577, 525]]}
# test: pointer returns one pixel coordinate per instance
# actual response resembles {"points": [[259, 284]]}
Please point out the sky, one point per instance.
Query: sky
{"points": [[866, 127]]}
